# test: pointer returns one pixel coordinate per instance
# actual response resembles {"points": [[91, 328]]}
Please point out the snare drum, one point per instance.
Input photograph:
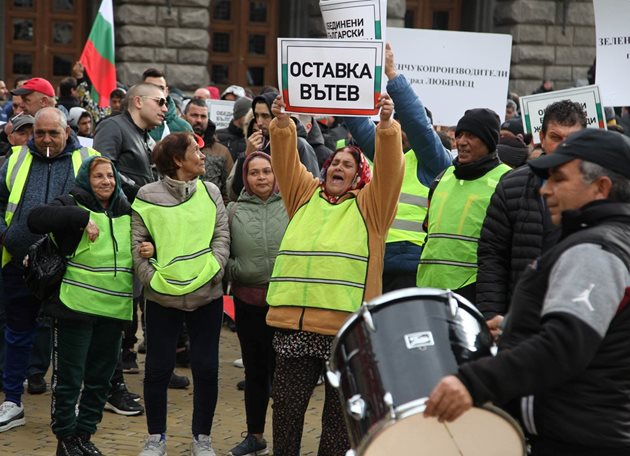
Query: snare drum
{"points": [[388, 357]]}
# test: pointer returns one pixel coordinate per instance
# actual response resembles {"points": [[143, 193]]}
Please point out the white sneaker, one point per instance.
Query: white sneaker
{"points": [[11, 415], [154, 445], [238, 363], [202, 446]]}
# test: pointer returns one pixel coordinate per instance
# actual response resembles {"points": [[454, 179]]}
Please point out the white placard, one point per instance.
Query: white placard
{"points": [[533, 107], [612, 30], [333, 77], [454, 71], [220, 112], [85, 141], [354, 19]]}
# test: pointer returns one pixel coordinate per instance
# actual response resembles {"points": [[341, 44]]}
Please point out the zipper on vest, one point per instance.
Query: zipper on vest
{"points": [[47, 183], [301, 322]]}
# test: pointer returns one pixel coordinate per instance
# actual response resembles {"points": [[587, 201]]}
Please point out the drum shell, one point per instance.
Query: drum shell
{"points": [[410, 340]]}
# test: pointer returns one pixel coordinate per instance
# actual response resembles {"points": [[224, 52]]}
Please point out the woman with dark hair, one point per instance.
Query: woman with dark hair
{"points": [[92, 226], [330, 261], [257, 223], [181, 224]]}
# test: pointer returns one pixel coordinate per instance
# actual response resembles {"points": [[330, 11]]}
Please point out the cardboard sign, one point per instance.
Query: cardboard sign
{"points": [[613, 51], [533, 107], [220, 112], [330, 76], [354, 19], [454, 71]]}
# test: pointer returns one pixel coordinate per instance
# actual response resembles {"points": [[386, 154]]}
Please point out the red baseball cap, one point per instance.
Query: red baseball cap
{"points": [[40, 85]]}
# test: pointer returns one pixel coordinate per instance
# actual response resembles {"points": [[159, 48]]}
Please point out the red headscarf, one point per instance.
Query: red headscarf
{"points": [[363, 176]]}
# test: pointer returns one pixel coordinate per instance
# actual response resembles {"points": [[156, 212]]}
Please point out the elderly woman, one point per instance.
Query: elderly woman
{"points": [[92, 226], [182, 224], [330, 260], [257, 223]]}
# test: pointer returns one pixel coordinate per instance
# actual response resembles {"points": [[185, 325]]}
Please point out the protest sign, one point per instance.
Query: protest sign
{"points": [[533, 107], [321, 76], [85, 141], [454, 71], [613, 50], [220, 112], [354, 19]]}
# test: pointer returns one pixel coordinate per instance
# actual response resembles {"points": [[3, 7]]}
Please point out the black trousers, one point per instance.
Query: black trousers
{"points": [[259, 361]]}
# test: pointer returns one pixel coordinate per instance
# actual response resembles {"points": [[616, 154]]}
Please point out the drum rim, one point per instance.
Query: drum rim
{"points": [[388, 298]]}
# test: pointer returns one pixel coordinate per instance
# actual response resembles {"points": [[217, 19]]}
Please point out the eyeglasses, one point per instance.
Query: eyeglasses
{"points": [[159, 100]]}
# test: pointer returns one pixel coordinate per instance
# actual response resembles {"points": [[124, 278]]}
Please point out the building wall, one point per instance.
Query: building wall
{"points": [[175, 40]]}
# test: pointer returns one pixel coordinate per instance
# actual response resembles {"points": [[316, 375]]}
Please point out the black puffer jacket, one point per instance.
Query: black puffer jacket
{"points": [[516, 230]]}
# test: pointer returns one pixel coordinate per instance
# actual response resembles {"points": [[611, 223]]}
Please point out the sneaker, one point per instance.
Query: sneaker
{"points": [[202, 446], [154, 445], [11, 415], [121, 402], [142, 347], [251, 446], [238, 363], [178, 381], [134, 396], [69, 447], [36, 384], [241, 385], [86, 446], [130, 362]]}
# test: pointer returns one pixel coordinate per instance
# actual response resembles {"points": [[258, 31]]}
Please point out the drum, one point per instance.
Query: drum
{"points": [[388, 357]]}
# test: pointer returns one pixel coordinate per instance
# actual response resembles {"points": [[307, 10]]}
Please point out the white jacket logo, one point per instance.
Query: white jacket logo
{"points": [[585, 297]]}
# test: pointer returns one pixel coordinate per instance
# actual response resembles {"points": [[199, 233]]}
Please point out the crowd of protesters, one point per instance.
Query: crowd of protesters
{"points": [[301, 219]]}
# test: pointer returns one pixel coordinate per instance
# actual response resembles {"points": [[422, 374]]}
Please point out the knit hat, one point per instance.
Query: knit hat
{"points": [[483, 123], [608, 149], [512, 151], [241, 107]]}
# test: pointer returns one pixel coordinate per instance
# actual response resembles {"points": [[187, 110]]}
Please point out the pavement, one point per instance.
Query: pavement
{"points": [[124, 436]]}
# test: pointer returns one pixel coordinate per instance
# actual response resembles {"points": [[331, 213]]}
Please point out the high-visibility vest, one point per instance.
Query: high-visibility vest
{"points": [[412, 206], [17, 172], [456, 214], [99, 275], [182, 235], [323, 257]]}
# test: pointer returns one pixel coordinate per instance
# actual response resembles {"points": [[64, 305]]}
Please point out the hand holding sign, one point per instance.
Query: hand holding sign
{"points": [[277, 109], [387, 109]]}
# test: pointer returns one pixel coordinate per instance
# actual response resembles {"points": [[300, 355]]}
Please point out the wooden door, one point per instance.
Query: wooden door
{"points": [[433, 14], [43, 38], [243, 43]]}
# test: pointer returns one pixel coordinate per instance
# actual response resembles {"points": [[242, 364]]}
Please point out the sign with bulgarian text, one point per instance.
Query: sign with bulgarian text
{"points": [[612, 31], [533, 107], [354, 19], [323, 76], [454, 71], [220, 112]]}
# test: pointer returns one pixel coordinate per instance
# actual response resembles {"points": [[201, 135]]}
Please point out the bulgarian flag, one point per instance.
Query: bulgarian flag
{"points": [[98, 55]]}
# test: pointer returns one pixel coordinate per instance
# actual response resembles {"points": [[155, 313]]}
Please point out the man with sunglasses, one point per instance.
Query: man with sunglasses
{"points": [[172, 122]]}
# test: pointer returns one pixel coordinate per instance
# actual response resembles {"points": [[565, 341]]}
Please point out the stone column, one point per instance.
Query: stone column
{"points": [[174, 40], [548, 43]]}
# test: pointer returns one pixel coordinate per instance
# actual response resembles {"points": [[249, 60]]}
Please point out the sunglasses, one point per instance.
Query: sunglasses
{"points": [[159, 100]]}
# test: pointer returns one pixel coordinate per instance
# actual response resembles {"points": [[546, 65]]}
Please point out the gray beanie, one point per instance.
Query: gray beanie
{"points": [[241, 107]]}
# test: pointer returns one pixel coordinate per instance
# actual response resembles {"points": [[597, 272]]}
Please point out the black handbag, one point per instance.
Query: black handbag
{"points": [[45, 268]]}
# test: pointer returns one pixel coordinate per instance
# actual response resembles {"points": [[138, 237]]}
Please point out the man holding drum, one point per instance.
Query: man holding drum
{"points": [[563, 367]]}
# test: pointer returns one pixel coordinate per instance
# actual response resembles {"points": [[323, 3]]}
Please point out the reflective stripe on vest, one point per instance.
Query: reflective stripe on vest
{"points": [[458, 209], [18, 168], [412, 206], [323, 257], [99, 276], [182, 235]]}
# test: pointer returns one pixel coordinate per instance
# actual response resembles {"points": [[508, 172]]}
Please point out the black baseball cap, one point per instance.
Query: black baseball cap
{"points": [[608, 149]]}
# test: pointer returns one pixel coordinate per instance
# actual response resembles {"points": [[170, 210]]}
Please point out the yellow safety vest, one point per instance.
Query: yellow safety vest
{"points": [[99, 275], [182, 235], [456, 214], [412, 206], [17, 172], [323, 257]]}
